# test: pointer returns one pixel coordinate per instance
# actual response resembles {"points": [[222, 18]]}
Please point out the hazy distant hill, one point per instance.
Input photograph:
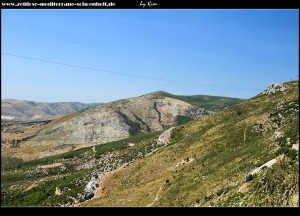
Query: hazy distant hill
{"points": [[13, 109], [212, 103]]}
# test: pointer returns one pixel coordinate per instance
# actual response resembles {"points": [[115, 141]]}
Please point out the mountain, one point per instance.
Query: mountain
{"points": [[13, 109], [246, 155], [123, 118], [120, 119], [100, 124]]}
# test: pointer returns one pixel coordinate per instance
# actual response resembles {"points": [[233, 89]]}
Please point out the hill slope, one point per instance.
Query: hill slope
{"points": [[60, 180], [13, 109], [121, 119], [206, 163], [208, 160]]}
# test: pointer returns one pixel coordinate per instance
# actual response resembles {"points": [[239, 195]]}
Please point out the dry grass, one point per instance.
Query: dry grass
{"points": [[222, 159]]}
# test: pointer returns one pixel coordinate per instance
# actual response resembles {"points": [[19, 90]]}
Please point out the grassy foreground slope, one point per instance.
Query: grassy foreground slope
{"points": [[207, 161]]}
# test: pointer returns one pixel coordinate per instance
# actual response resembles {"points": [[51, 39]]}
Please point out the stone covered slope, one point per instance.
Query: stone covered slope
{"points": [[120, 119], [13, 109]]}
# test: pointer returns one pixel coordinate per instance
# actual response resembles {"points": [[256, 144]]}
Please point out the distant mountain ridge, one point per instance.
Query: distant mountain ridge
{"points": [[212, 103], [14, 109]]}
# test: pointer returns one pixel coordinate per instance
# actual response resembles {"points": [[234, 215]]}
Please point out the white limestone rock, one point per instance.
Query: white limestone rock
{"points": [[165, 137], [90, 189], [271, 89]]}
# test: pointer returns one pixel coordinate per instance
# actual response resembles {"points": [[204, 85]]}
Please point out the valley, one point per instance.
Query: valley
{"points": [[184, 107]]}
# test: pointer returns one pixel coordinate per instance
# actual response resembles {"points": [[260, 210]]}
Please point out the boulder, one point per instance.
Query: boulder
{"points": [[165, 137], [271, 89], [90, 189], [296, 147], [57, 191], [277, 135]]}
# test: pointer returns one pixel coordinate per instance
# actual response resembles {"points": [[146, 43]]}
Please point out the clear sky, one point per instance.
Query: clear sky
{"points": [[232, 48]]}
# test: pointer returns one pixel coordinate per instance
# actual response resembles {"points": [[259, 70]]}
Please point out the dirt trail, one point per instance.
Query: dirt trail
{"points": [[182, 162], [104, 181], [157, 195], [48, 166], [103, 184]]}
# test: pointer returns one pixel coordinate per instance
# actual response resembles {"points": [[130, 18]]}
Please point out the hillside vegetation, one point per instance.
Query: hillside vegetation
{"points": [[212, 103], [211, 161], [36, 182]]}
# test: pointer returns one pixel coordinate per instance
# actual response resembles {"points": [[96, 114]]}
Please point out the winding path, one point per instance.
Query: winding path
{"points": [[157, 195]]}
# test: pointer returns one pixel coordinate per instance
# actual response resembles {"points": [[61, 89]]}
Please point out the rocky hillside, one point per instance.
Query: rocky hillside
{"points": [[121, 119], [246, 155], [13, 109], [98, 124]]}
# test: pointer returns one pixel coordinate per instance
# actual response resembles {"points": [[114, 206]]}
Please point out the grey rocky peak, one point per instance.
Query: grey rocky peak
{"points": [[271, 89]]}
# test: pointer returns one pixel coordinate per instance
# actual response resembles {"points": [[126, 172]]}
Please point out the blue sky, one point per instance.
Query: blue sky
{"points": [[230, 48]]}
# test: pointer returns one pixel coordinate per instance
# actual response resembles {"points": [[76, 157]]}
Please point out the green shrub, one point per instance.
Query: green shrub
{"points": [[182, 120], [207, 198], [289, 152]]}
